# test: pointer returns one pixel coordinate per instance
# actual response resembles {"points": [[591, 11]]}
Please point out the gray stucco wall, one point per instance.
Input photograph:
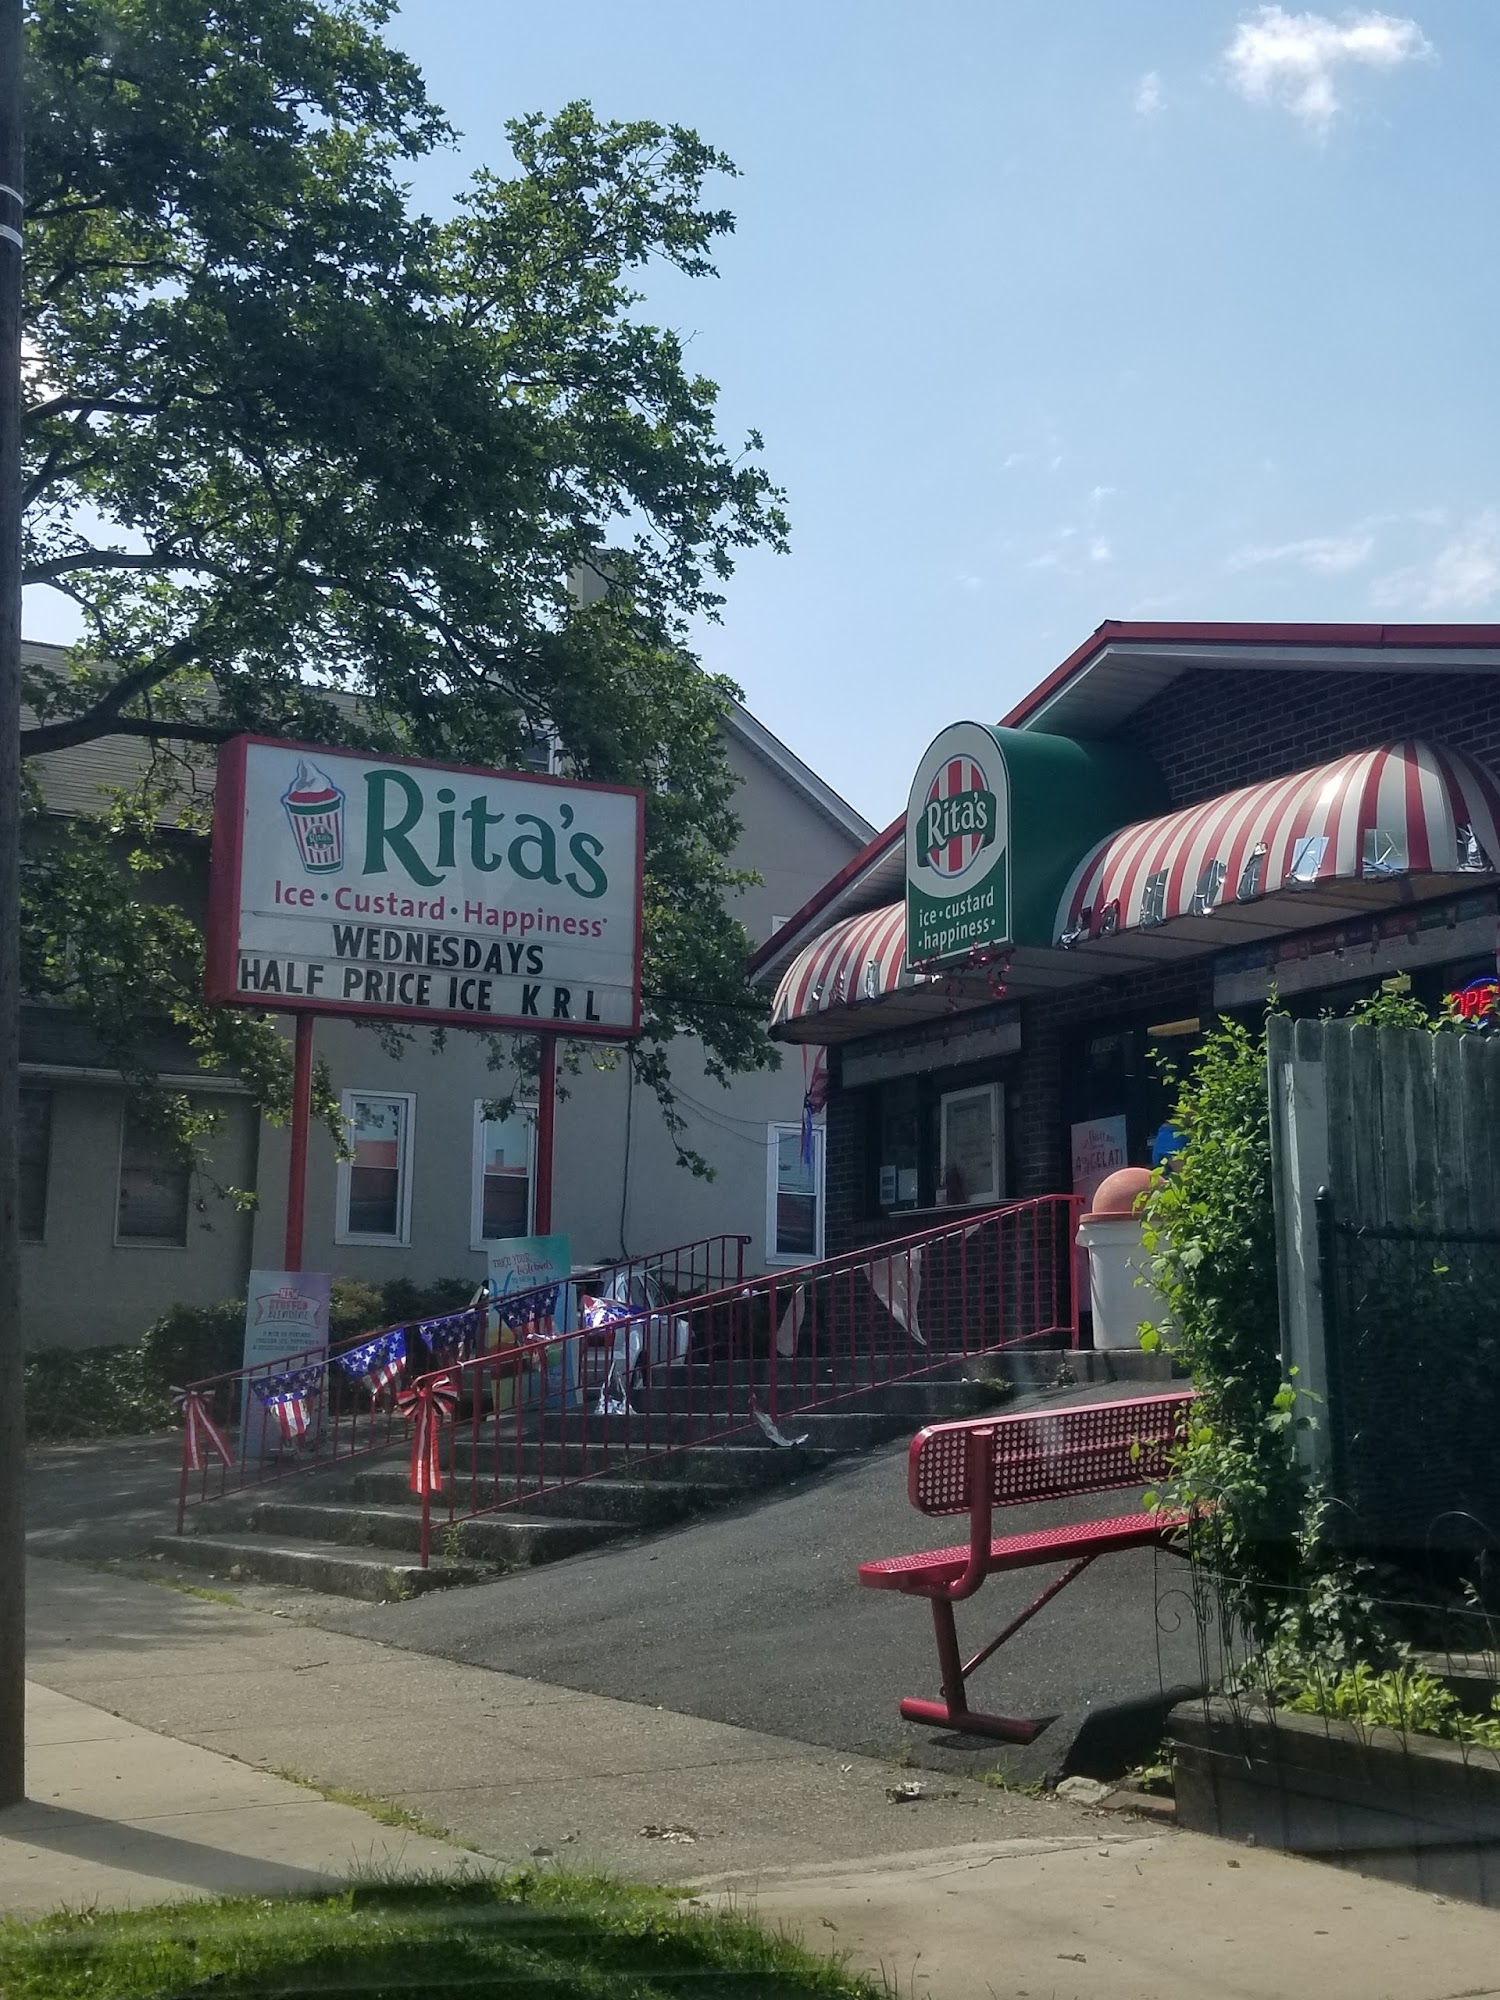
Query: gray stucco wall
{"points": [[79, 1288]]}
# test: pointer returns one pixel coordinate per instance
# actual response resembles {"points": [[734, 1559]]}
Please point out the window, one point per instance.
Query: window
{"points": [[502, 1177], [969, 1146], [375, 1185], [154, 1183], [794, 1200], [36, 1154]]}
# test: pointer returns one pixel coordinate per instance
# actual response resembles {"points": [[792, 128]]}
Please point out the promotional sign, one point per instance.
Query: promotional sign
{"points": [[537, 1265], [1099, 1149], [286, 1316], [347, 884], [958, 848]]}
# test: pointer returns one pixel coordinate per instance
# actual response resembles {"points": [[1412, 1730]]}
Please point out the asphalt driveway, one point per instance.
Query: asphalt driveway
{"points": [[757, 1618]]}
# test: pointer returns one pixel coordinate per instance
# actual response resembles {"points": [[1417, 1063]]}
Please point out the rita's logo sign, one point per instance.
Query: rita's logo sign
{"points": [[315, 806], [958, 819]]}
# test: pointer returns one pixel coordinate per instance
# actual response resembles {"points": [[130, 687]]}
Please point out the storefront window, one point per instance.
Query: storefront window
{"points": [[969, 1148], [900, 1145]]}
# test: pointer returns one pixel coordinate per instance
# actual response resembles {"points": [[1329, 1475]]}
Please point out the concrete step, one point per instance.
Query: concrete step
{"points": [[740, 1464], [640, 1503], [327, 1566], [512, 1539]]}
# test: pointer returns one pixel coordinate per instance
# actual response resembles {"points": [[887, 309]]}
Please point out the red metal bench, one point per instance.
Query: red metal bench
{"points": [[1054, 1454]]}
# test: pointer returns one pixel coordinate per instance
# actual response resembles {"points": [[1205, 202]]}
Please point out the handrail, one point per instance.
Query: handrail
{"points": [[338, 1423], [673, 1377]]}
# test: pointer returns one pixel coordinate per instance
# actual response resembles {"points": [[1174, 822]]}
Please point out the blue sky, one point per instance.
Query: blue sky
{"points": [[1050, 314]]}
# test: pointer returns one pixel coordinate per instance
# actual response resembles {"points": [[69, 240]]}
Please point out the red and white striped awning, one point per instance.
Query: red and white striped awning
{"points": [[1406, 809], [863, 958]]}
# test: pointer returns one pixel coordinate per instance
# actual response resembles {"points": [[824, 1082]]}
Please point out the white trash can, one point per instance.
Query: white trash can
{"points": [[1121, 1292]]}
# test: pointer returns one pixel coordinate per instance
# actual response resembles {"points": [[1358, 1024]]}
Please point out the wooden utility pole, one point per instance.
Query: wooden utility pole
{"points": [[12, 1420]]}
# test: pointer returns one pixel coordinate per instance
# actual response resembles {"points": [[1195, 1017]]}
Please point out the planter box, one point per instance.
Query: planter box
{"points": [[1410, 1809]]}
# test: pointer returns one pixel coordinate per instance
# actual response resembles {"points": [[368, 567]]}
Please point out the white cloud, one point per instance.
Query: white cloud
{"points": [[1462, 576], [967, 582], [1149, 97], [1292, 60], [1329, 555], [1100, 550]]}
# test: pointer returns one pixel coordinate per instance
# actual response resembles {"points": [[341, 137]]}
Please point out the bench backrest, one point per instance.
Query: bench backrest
{"points": [[1048, 1454]]}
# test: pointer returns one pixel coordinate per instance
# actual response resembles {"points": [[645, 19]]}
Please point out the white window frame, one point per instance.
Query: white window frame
{"points": [[996, 1192], [477, 1238], [341, 1230], [773, 1154]]}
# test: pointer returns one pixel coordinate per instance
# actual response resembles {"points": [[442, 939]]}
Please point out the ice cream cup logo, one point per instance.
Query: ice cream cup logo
{"points": [[315, 807]]}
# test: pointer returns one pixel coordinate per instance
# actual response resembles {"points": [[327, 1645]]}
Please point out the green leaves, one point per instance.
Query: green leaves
{"points": [[287, 438]]}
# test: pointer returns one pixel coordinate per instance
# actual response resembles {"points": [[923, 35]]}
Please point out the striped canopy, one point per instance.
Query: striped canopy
{"points": [[863, 958], [1404, 809]]}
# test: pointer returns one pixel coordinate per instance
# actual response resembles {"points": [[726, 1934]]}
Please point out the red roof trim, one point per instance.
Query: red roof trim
{"points": [[1115, 631]]}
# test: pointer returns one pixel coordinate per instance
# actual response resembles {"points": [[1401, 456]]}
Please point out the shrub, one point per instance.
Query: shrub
{"points": [[91, 1392], [190, 1342]]}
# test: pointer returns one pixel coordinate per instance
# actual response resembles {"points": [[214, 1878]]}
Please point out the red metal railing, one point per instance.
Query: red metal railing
{"points": [[344, 1417], [556, 1412]]}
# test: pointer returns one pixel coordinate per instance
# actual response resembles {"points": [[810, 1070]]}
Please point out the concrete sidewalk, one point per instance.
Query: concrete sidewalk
{"points": [[117, 1816], [1128, 1917], [967, 1891]]}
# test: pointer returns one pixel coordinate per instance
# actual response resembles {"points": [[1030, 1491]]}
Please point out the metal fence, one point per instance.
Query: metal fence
{"points": [[642, 1386], [1411, 1322], [316, 1410]]}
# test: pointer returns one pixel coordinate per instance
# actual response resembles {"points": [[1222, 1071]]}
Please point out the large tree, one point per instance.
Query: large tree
{"points": [[285, 435]]}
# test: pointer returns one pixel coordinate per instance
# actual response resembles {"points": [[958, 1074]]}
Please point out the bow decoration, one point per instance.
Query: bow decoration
{"points": [[428, 1404], [199, 1429]]}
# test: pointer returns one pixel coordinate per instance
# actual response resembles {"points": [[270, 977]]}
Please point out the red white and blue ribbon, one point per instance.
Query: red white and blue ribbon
{"points": [[198, 1429], [426, 1406], [378, 1362], [287, 1399]]}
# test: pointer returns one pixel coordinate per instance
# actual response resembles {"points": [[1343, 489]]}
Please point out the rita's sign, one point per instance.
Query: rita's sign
{"points": [[958, 848], [350, 884]]}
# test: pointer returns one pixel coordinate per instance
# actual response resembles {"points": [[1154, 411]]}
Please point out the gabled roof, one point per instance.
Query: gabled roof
{"points": [[1118, 669], [72, 780]]}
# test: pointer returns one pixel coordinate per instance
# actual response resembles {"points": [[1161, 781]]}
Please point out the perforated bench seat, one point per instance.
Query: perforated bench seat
{"points": [[938, 1567], [1012, 1461]]}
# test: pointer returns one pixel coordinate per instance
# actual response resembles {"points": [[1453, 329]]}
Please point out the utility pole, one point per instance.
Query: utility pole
{"points": [[12, 1419]]}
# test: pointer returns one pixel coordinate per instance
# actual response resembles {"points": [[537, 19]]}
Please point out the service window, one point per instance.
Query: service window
{"points": [[375, 1185], [794, 1197], [35, 1160], [970, 1148], [502, 1176], [155, 1181]]}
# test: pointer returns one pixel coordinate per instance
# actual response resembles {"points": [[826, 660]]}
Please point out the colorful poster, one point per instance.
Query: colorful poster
{"points": [[536, 1272], [286, 1319]]}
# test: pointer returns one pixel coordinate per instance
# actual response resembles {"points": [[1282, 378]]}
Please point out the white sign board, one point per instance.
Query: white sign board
{"points": [[346, 884], [958, 848], [286, 1319]]}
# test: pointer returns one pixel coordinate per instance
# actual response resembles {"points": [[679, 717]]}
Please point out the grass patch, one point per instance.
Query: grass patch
{"points": [[531, 1936], [1001, 1781], [385, 1810]]}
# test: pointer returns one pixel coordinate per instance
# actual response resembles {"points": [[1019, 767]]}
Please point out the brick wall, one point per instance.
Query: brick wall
{"points": [[1212, 730]]}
